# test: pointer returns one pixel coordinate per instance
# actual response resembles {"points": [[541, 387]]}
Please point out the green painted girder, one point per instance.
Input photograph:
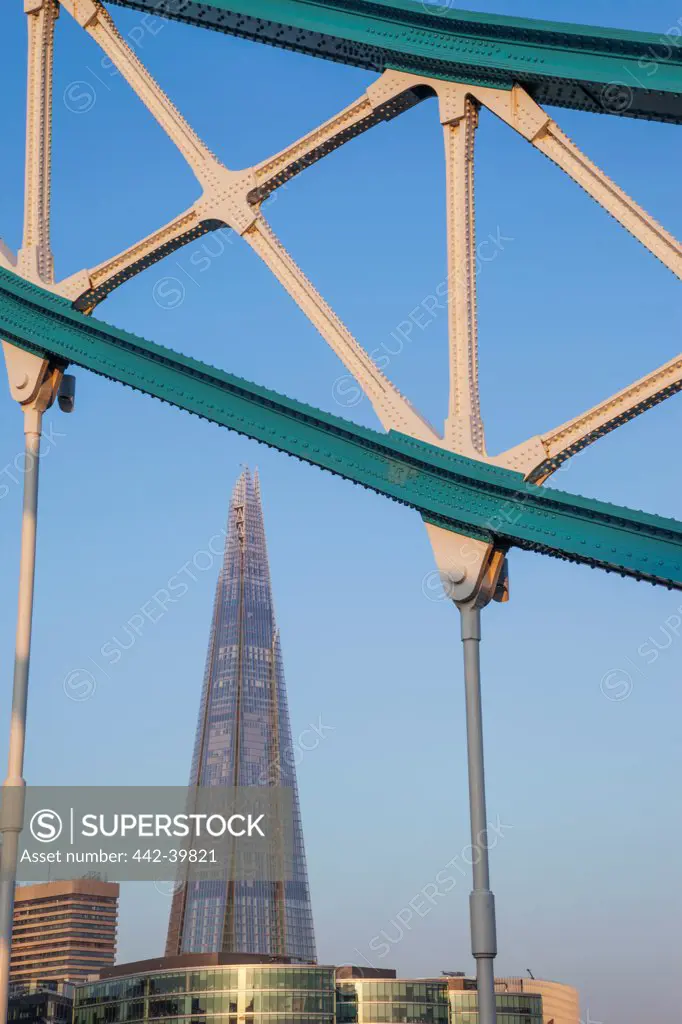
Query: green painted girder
{"points": [[628, 74], [457, 493]]}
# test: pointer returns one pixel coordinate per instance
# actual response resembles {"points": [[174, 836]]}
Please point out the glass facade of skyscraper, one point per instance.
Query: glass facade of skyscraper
{"points": [[244, 739], [211, 994], [392, 1001], [511, 1009], [426, 1001], [220, 989]]}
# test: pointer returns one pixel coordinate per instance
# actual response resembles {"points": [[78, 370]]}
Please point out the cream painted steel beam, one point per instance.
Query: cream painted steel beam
{"points": [[642, 225], [98, 23], [87, 288], [463, 426], [392, 409], [224, 190], [559, 148], [524, 115], [619, 408], [7, 258], [35, 257], [384, 100], [539, 457], [374, 107], [277, 170]]}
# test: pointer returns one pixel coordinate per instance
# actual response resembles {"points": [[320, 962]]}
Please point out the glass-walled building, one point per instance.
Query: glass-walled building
{"points": [[40, 1002], [394, 1001], [363, 1000], [209, 989], [560, 1003], [243, 738], [221, 988], [516, 1008]]}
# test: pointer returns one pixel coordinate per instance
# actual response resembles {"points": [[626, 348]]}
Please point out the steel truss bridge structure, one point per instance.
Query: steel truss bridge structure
{"points": [[476, 506]]}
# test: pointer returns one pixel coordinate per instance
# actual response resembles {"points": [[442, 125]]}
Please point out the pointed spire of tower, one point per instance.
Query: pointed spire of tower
{"points": [[242, 737]]}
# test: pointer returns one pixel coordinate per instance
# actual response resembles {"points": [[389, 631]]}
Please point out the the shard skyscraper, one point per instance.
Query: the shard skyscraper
{"points": [[243, 738]]}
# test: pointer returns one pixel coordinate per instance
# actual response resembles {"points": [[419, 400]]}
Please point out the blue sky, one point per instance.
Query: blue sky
{"points": [[570, 310]]}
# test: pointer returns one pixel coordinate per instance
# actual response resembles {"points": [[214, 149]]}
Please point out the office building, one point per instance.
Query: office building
{"points": [[63, 931], [378, 997], [217, 988], [243, 738], [40, 1002], [559, 1002], [213, 988]]}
